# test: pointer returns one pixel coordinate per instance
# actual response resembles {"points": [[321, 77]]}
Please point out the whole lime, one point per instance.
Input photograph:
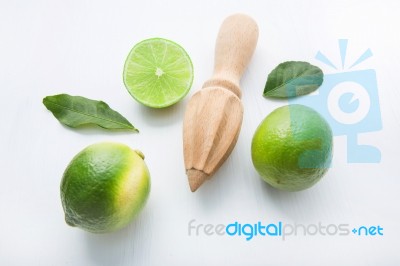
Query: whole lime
{"points": [[292, 148], [104, 187]]}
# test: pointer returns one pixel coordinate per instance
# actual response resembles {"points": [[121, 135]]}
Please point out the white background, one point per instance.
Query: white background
{"points": [[79, 47]]}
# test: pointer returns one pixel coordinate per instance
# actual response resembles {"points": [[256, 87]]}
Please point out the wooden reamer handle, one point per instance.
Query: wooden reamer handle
{"points": [[236, 42]]}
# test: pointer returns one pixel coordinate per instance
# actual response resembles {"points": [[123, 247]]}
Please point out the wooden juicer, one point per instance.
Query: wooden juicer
{"points": [[214, 114]]}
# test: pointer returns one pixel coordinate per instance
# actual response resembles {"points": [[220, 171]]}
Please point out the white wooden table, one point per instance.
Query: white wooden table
{"points": [[79, 47]]}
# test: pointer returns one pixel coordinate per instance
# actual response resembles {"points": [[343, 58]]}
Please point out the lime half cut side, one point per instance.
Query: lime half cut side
{"points": [[158, 72]]}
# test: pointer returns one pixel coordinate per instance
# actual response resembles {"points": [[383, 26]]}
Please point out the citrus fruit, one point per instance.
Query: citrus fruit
{"points": [[158, 72], [292, 148], [104, 187]]}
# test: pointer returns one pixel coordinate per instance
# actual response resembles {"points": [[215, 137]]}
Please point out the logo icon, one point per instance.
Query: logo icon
{"points": [[349, 101]]}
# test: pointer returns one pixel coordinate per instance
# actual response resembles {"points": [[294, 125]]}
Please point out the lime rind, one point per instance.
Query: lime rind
{"points": [[163, 58], [292, 148], [104, 187]]}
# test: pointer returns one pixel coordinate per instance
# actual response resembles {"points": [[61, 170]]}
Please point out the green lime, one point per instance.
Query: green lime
{"points": [[158, 72], [292, 148], [104, 187]]}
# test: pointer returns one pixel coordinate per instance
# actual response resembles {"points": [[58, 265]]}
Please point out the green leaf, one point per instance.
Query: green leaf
{"points": [[75, 111], [292, 78]]}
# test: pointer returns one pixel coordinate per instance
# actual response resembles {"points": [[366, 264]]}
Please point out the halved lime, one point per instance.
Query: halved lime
{"points": [[158, 72]]}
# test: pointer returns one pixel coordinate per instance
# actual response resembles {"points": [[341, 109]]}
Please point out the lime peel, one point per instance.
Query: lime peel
{"points": [[104, 187], [292, 148]]}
